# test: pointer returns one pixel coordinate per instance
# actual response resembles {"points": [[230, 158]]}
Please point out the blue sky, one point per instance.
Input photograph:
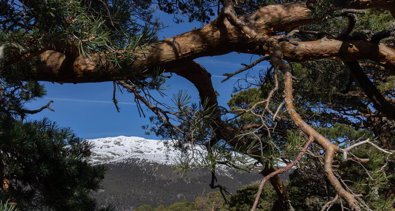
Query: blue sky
{"points": [[88, 110]]}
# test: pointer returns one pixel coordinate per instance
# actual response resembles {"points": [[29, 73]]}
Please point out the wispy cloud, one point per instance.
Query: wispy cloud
{"points": [[75, 100], [213, 61], [218, 76], [234, 78]]}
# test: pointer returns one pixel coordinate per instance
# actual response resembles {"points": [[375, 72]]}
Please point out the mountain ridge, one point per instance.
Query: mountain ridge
{"points": [[144, 171]]}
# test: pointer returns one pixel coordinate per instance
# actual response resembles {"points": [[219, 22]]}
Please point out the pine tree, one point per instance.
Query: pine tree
{"points": [[328, 90], [42, 166]]}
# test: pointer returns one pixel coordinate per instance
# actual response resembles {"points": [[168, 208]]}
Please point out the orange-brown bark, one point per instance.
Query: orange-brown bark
{"points": [[216, 38], [5, 185], [346, 50], [330, 148]]}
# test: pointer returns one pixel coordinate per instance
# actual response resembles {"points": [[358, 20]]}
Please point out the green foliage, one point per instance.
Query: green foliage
{"points": [[82, 27], [315, 191], [330, 100], [369, 22], [374, 20], [295, 142], [46, 166], [7, 206], [210, 201], [14, 94], [201, 11], [178, 206], [387, 85], [144, 207], [204, 11], [240, 201], [244, 198], [71, 23], [343, 131], [370, 179]]}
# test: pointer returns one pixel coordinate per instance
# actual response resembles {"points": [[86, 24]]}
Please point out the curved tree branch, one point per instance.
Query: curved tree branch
{"points": [[216, 38], [378, 100], [330, 148]]}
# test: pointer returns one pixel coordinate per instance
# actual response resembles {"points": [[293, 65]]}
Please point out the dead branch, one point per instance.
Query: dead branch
{"points": [[114, 98], [245, 68], [278, 110], [35, 111]]}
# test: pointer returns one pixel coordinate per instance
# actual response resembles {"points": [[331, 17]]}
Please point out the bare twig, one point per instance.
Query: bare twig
{"points": [[271, 93], [280, 171], [278, 110], [350, 11], [157, 111], [367, 141], [245, 68], [35, 111], [330, 203], [114, 97]]}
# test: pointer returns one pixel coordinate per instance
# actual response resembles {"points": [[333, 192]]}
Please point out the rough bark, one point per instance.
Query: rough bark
{"points": [[330, 148], [216, 38]]}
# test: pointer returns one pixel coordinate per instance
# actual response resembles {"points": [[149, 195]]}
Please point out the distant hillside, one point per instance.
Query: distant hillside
{"points": [[142, 171]]}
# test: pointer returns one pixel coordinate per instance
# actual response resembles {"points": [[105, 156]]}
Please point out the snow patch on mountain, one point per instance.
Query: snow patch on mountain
{"points": [[121, 149]]}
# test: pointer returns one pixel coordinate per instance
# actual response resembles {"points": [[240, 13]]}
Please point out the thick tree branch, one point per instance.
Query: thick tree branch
{"points": [[55, 66], [378, 100], [347, 50], [330, 148], [216, 38]]}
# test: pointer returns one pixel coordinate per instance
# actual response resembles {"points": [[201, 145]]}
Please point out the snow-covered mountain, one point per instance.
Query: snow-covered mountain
{"points": [[121, 149], [142, 171]]}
